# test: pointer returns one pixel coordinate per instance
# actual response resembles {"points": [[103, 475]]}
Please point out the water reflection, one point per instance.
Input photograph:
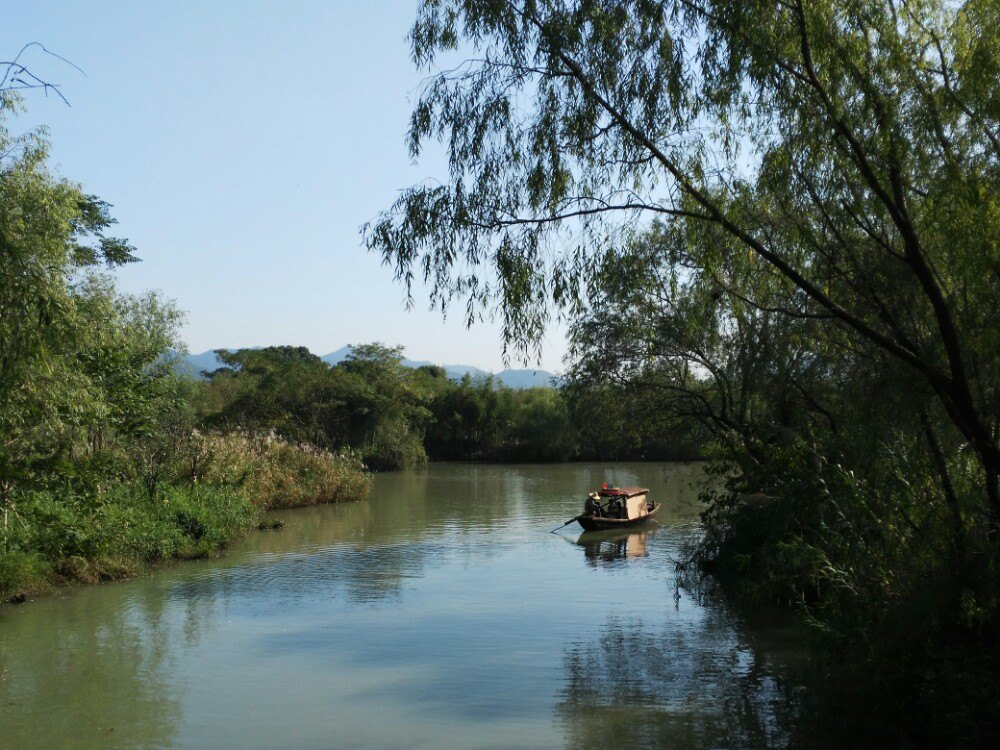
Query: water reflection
{"points": [[609, 547], [442, 613], [636, 685], [56, 660]]}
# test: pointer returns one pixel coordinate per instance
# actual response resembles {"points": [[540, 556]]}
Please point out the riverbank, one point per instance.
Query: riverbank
{"points": [[54, 539]]}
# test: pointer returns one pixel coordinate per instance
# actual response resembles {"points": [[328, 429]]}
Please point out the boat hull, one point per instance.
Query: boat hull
{"points": [[596, 523]]}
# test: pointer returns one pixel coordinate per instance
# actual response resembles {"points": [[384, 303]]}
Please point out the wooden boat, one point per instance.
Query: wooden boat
{"points": [[617, 508]]}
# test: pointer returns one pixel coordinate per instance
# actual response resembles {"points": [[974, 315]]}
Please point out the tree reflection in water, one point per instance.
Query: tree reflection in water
{"points": [[94, 668], [683, 685]]}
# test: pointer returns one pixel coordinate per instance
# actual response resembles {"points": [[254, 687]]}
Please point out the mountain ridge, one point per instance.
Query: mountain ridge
{"points": [[517, 378]]}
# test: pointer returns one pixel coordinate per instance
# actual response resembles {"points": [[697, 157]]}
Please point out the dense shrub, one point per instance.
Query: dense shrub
{"points": [[903, 609], [394, 446], [119, 535]]}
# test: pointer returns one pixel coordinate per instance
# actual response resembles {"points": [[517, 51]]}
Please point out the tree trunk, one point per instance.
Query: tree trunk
{"points": [[5, 498]]}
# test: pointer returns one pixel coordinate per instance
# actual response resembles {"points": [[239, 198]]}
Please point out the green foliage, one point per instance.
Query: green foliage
{"points": [[275, 388], [541, 427], [849, 495], [394, 445], [387, 405], [626, 419], [483, 420], [24, 571], [370, 401], [56, 538], [101, 470], [398, 417], [774, 225], [80, 365]]}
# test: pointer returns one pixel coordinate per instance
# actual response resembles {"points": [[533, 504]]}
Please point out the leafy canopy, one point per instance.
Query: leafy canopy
{"points": [[850, 148]]}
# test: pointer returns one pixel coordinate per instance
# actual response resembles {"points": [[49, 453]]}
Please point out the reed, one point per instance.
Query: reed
{"points": [[219, 489]]}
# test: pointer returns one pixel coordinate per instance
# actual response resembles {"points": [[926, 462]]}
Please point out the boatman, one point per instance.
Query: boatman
{"points": [[593, 505]]}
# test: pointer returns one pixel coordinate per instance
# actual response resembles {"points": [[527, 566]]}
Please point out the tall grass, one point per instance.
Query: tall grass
{"points": [[218, 488], [275, 473]]}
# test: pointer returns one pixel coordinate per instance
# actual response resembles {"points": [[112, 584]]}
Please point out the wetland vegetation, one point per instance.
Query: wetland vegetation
{"points": [[112, 460], [774, 232], [103, 470]]}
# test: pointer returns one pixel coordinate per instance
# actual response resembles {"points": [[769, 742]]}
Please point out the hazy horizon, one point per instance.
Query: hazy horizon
{"points": [[242, 147], [407, 355]]}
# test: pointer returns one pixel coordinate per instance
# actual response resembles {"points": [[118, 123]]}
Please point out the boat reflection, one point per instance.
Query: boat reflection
{"points": [[604, 547]]}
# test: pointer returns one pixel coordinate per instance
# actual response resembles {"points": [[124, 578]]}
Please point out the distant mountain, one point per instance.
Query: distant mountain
{"points": [[196, 364], [527, 378], [457, 372], [510, 378], [335, 358]]}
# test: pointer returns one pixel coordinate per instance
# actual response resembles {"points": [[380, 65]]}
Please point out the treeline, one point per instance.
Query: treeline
{"points": [[104, 468], [395, 417], [111, 461]]}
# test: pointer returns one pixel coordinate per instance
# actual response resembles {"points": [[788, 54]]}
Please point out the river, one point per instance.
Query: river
{"points": [[440, 613]]}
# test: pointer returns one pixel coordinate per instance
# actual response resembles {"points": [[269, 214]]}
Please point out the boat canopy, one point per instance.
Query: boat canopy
{"points": [[623, 491]]}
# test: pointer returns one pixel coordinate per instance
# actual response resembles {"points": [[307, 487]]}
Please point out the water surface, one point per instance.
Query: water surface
{"points": [[441, 613]]}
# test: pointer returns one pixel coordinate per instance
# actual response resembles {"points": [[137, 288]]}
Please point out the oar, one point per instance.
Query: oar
{"points": [[575, 518]]}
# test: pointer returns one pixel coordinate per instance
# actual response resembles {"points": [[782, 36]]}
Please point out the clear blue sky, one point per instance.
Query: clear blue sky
{"points": [[243, 144]]}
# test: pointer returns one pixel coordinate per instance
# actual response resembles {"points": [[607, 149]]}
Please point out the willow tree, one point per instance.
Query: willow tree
{"points": [[850, 146]]}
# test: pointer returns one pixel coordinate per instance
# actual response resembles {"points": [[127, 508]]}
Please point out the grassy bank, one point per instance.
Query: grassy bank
{"points": [[216, 495]]}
